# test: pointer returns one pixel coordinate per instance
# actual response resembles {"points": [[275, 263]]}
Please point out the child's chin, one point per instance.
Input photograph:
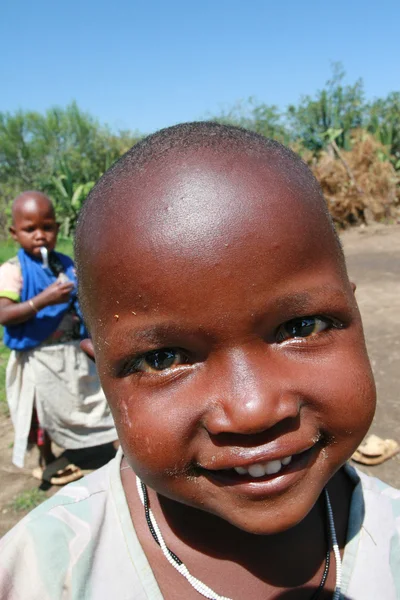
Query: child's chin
{"points": [[35, 253], [267, 526], [270, 520]]}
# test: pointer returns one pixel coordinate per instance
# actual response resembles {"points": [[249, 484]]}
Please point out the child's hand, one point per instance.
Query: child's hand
{"points": [[13, 313], [57, 293]]}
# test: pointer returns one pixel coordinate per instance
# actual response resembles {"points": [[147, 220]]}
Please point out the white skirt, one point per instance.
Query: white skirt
{"points": [[62, 382]]}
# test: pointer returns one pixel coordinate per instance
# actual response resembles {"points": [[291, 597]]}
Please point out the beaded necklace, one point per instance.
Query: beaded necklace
{"points": [[207, 592]]}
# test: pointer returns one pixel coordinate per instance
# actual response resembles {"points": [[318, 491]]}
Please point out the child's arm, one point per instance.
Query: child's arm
{"points": [[13, 313]]}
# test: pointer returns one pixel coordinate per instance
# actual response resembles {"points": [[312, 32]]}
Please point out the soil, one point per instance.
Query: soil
{"points": [[373, 259]]}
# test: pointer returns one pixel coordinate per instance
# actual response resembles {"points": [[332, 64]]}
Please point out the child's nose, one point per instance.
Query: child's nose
{"points": [[256, 396]]}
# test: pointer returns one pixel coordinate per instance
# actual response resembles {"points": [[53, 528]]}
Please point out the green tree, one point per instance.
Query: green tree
{"points": [[336, 107], [383, 121], [262, 118], [71, 196], [62, 152]]}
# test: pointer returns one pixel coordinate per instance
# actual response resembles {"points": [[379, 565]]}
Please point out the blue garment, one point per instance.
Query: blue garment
{"points": [[35, 279]]}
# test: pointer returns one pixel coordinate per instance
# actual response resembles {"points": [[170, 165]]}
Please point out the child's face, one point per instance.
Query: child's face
{"points": [[228, 337], [34, 226]]}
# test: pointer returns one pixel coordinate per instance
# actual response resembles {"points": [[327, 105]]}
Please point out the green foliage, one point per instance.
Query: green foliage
{"points": [[383, 120], [8, 249], [66, 246], [336, 107], [71, 196], [327, 119], [62, 153], [28, 500], [262, 118]]}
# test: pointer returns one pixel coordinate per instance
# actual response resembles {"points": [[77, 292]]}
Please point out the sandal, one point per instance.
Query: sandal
{"points": [[375, 451], [68, 475], [61, 471]]}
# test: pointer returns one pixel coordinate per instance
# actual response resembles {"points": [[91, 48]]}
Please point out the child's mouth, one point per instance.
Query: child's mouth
{"points": [[258, 470], [261, 471]]}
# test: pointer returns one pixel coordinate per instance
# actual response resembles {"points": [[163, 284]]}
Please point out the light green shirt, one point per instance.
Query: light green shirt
{"points": [[81, 545]]}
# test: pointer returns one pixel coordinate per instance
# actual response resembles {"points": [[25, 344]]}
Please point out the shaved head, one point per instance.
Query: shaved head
{"points": [[181, 189], [31, 200], [186, 138]]}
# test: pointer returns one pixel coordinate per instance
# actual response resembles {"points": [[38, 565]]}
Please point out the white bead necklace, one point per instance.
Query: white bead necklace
{"points": [[201, 587]]}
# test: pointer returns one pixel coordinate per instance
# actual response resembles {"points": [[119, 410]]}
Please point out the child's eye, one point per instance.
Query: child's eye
{"points": [[303, 327], [157, 360]]}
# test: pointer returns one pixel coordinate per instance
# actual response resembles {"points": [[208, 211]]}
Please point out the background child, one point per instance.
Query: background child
{"points": [[52, 388], [230, 347]]}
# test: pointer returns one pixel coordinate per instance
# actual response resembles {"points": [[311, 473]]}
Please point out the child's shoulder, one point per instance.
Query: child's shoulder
{"points": [[11, 268], [374, 500], [74, 542], [373, 539], [12, 263], [375, 489], [14, 260], [40, 544], [11, 279], [73, 498]]}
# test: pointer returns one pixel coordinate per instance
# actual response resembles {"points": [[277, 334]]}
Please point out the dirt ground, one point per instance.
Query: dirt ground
{"points": [[373, 261], [373, 258]]}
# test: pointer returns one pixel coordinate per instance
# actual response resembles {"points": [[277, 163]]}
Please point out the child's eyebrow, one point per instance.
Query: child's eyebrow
{"points": [[306, 300], [154, 333]]}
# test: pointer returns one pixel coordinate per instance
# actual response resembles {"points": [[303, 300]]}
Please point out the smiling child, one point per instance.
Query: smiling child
{"points": [[230, 348]]}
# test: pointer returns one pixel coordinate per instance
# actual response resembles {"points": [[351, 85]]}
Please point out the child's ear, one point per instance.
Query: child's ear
{"points": [[87, 347], [353, 286], [13, 233]]}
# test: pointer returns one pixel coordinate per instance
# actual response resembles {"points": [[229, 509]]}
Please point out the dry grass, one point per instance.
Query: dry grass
{"points": [[368, 190]]}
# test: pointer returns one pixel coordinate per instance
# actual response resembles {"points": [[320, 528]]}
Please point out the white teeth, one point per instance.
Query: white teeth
{"points": [[262, 469], [256, 470], [241, 470], [273, 467]]}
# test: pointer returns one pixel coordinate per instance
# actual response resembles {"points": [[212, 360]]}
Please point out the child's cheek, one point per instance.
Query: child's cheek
{"points": [[346, 398], [155, 434]]}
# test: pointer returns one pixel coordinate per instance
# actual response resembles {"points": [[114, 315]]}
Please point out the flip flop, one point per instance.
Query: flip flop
{"points": [[61, 471], [68, 475], [375, 451]]}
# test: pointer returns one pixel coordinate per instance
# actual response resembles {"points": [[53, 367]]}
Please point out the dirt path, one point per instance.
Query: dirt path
{"points": [[373, 260], [373, 257]]}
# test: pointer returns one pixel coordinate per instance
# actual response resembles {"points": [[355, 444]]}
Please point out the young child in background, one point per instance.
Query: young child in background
{"points": [[52, 388], [230, 348]]}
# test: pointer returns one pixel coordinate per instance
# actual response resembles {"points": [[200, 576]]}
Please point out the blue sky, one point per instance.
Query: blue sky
{"points": [[145, 65]]}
